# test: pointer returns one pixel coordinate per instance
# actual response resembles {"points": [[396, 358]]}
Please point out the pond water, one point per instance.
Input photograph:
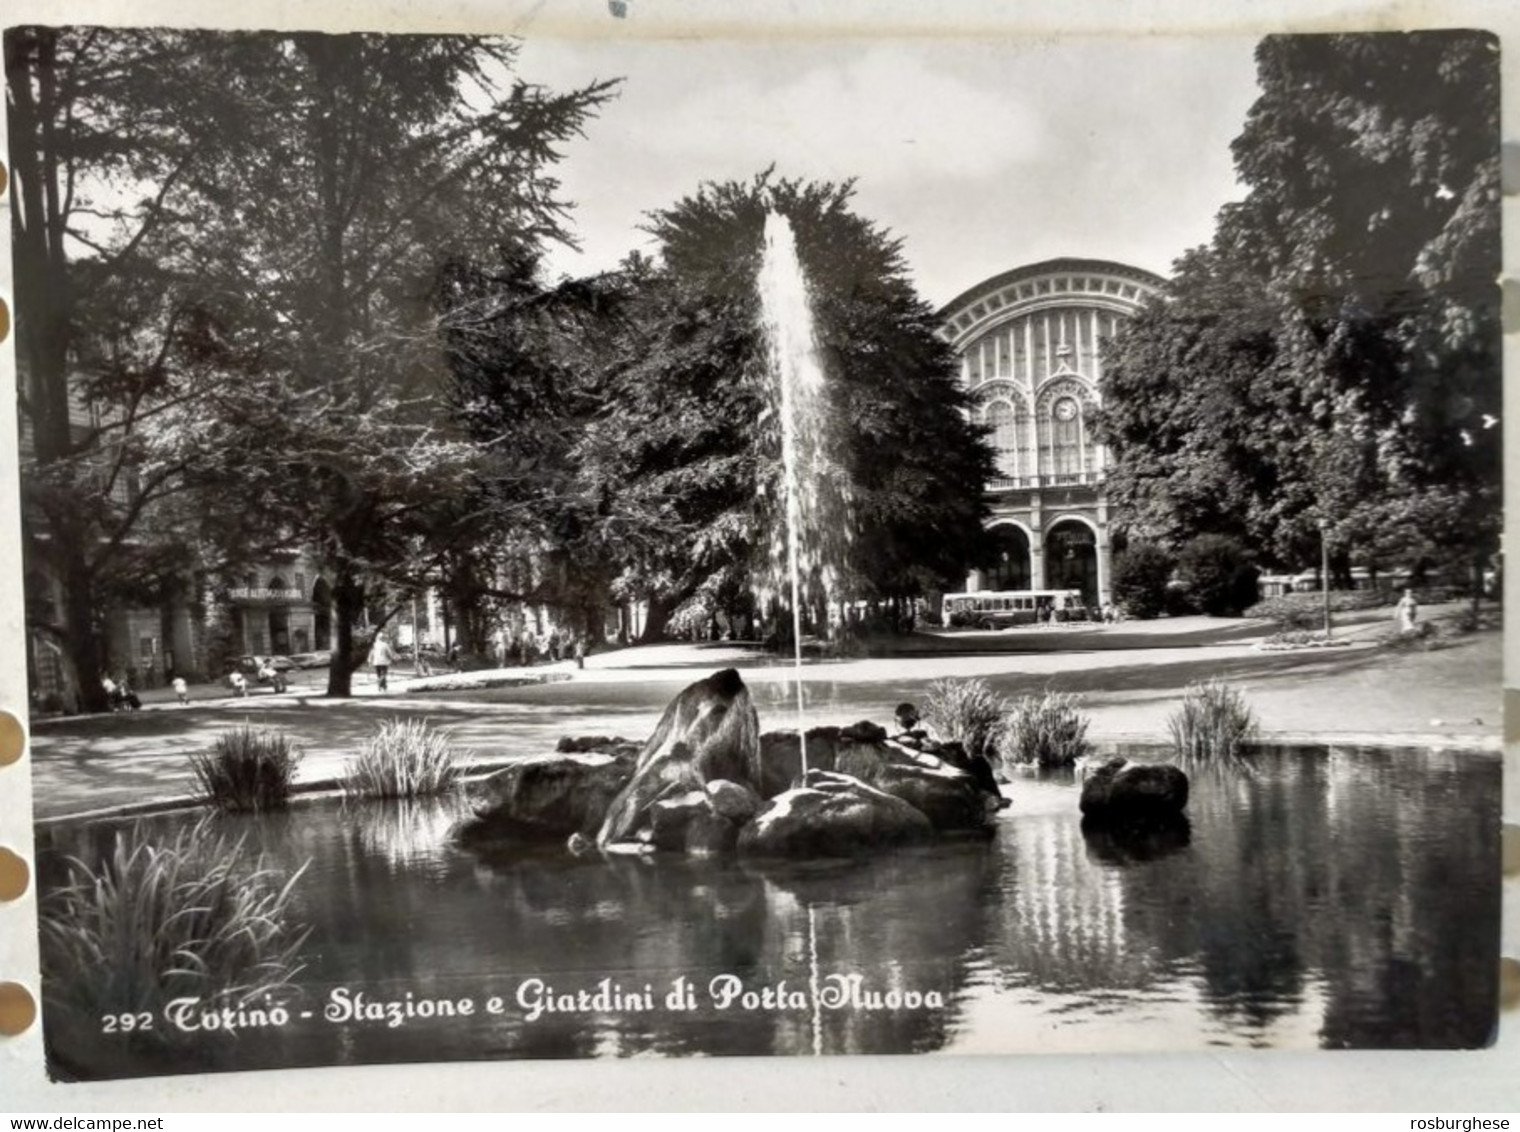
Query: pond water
{"points": [[1334, 898]]}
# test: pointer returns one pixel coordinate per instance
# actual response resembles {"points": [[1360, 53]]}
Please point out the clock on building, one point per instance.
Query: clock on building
{"points": [[1066, 409]]}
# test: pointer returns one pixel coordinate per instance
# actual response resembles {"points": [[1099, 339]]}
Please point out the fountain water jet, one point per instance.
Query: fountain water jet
{"points": [[797, 554]]}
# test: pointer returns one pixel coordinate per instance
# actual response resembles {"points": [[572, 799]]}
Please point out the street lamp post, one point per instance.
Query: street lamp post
{"points": [[1324, 572]]}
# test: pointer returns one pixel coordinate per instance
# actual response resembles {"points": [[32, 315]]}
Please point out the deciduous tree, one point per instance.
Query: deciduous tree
{"points": [[1333, 355], [107, 131]]}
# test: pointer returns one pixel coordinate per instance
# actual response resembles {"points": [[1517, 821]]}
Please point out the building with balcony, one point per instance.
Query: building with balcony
{"points": [[1031, 343]]}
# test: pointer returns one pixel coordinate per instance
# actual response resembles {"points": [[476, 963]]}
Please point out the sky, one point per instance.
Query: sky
{"points": [[981, 154]]}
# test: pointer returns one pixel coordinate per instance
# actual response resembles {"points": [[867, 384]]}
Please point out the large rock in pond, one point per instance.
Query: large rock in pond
{"points": [[781, 753], [602, 744], [1122, 789], [734, 801], [953, 800], [929, 777], [690, 823], [710, 731], [548, 797], [832, 815]]}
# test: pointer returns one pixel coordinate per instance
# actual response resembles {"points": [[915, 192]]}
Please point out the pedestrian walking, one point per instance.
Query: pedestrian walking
{"points": [[380, 656], [181, 690], [1406, 611]]}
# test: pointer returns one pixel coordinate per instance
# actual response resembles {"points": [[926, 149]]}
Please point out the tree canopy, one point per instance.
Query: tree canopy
{"points": [[1332, 356], [672, 453], [105, 131], [228, 248]]}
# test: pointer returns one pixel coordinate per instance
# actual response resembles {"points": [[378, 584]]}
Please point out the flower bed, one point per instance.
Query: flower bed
{"points": [[1285, 642]]}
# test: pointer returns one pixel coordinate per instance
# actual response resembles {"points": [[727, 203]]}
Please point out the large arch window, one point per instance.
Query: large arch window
{"points": [[1066, 436], [999, 417], [1009, 423], [1066, 444]]}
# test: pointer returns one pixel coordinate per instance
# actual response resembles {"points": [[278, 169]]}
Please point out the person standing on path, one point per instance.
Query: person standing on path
{"points": [[380, 657], [1406, 611]]}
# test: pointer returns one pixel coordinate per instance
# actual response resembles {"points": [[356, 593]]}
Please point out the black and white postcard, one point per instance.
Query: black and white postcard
{"points": [[595, 547]]}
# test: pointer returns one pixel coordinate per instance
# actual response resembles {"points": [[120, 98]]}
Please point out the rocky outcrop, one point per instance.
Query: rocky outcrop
{"points": [[710, 731], [781, 754], [832, 815], [1120, 789], [932, 777], [735, 801], [689, 823], [604, 744], [548, 797], [699, 786], [952, 799]]}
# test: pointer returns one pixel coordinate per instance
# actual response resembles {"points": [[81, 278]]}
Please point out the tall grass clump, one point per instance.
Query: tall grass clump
{"points": [[155, 922], [970, 713], [404, 758], [250, 769], [1212, 725], [1048, 730]]}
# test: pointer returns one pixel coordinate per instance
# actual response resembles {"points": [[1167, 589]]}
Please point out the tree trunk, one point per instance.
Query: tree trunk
{"points": [[348, 600], [656, 620], [82, 643]]}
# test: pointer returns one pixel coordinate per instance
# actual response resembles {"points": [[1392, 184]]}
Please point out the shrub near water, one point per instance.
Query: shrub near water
{"points": [[1048, 731], [970, 713], [152, 923], [250, 769], [1212, 724], [404, 758]]}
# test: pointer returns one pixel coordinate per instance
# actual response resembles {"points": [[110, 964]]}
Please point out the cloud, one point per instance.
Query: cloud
{"points": [[884, 116]]}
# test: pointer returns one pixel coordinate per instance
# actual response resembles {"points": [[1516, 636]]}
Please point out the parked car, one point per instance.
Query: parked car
{"points": [[311, 659]]}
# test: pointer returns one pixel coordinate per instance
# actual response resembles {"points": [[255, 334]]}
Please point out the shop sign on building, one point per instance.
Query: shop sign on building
{"points": [[262, 593]]}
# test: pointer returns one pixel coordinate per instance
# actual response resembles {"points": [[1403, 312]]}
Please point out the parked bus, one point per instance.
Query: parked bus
{"points": [[998, 609]]}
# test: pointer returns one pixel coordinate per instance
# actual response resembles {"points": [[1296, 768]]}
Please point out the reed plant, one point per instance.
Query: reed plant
{"points": [[404, 758], [249, 770], [195, 917], [1049, 730], [970, 713], [1212, 726]]}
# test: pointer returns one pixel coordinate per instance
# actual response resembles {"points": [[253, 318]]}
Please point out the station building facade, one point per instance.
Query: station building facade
{"points": [[1031, 343]]}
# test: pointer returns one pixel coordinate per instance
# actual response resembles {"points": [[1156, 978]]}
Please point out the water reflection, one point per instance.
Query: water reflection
{"points": [[1348, 898], [1125, 843]]}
